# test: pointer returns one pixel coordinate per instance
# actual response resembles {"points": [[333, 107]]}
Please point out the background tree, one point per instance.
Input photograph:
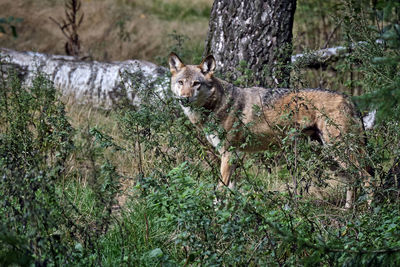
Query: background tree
{"points": [[252, 34]]}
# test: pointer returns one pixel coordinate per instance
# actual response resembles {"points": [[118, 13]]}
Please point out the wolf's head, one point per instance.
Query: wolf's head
{"points": [[192, 84]]}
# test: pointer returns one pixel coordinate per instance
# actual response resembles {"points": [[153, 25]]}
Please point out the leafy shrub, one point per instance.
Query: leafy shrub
{"points": [[10, 23], [377, 55], [36, 146], [250, 228], [252, 225], [35, 142]]}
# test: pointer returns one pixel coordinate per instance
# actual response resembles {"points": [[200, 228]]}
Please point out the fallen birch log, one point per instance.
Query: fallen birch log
{"points": [[320, 58], [88, 81], [325, 57]]}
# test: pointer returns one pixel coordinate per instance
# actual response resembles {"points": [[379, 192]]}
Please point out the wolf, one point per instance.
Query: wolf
{"points": [[324, 115]]}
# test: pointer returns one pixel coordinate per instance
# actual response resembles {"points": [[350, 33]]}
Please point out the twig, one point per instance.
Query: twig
{"points": [[147, 228], [332, 33], [69, 27]]}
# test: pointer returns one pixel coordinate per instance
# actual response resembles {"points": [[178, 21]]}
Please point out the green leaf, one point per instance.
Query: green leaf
{"points": [[384, 60], [78, 247], [156, 253], [387, 11], [14, 31]]}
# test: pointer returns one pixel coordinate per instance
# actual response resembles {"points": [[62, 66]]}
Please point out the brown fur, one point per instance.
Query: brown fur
{"points": [[239, 111]]}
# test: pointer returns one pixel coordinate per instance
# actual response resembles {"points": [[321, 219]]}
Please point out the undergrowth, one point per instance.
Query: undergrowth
{"points": [[59, 195]]}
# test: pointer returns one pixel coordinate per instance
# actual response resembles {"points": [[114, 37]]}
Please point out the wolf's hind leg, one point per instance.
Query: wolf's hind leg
{"points": [[333, 134]]}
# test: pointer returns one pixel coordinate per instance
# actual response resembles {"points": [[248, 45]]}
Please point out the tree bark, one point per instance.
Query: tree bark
{"points": [[257, 33]]}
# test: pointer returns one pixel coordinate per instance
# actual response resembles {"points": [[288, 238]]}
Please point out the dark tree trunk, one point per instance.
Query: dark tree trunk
{"points": [[256, 34]]}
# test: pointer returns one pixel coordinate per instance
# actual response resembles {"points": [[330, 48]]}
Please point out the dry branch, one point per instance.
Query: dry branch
{"points": [[324, 57], [69, 27], [320, 58]]}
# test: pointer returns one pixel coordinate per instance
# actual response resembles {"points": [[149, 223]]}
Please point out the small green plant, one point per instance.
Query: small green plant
{"points": [[10, 23], [45, 224], [123, 34], [35, 142]]}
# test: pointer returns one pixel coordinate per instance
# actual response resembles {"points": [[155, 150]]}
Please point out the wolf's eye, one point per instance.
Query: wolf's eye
{"points": [[180, 82], [196, 83]]}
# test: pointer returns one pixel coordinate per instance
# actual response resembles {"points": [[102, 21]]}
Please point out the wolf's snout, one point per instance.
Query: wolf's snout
{"points": [[185, 101]]}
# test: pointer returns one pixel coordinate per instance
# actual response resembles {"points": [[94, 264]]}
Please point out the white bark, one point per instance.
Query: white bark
{"points": [[324, 57], [369, 120], [254, 32], [318, 58], [89, 81]]}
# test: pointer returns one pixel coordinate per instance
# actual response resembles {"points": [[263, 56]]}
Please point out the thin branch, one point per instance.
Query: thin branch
{"points": [[324, 57], [69, 26], [332, 33], [62, 27]]}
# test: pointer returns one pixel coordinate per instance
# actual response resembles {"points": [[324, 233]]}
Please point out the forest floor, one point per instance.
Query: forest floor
{"points": [[111, 30]]}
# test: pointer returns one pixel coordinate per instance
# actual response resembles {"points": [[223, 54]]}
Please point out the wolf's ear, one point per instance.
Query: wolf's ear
{"points": [[175, 63], [208, 65]]}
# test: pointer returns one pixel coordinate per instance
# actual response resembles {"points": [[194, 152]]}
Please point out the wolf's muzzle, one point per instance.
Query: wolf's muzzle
{"points": [[184, 101]]}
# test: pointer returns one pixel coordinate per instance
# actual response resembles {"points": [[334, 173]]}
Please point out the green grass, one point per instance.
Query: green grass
{"points": [[179, 10]]}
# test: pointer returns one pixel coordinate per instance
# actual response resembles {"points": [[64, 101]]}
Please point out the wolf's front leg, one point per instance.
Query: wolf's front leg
{"points": [[349, 198], [227, 169]]}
